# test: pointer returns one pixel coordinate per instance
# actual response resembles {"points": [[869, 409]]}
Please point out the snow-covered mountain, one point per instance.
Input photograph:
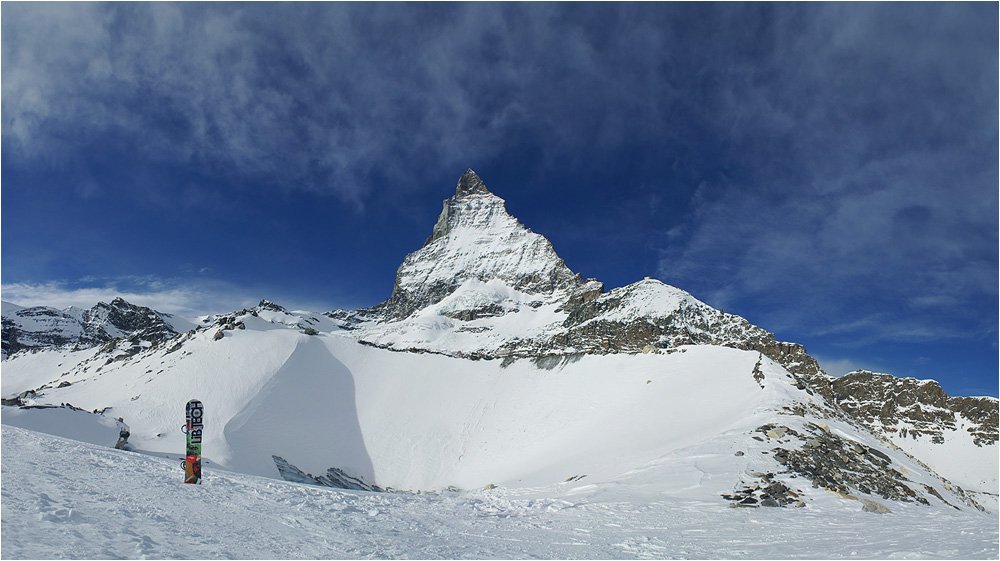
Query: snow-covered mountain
{"points": [[42, 327], [492, 363], [476, 241]]}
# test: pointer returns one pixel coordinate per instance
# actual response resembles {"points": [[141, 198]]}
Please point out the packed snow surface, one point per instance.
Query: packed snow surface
{"points": [[66, 499]]}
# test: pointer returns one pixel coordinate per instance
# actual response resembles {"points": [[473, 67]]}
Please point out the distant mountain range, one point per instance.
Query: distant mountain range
{"points": [[41, 327], [493, 363]]}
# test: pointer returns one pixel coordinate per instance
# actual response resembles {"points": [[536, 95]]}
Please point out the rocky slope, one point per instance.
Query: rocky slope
{"points": [[41, 327], [912, 408]]}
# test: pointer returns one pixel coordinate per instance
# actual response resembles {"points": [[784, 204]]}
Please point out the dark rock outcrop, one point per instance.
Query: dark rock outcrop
{"points": [[912, 408], [334, 477]]}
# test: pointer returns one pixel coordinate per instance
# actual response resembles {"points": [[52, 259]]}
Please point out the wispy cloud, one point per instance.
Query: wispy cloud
{"points": [[326, 97], [841, 366], [880, 218], [187, 299]]}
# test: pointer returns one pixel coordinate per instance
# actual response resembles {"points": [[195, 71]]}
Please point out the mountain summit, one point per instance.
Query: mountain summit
{"points": [[486, 279], [476, 239], [470, 183]]}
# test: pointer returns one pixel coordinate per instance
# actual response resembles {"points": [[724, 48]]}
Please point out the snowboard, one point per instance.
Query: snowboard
{"points": [[193, 429]]}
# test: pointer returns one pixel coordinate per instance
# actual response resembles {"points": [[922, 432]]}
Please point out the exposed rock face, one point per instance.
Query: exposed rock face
{"points": [[845, 467], [42, 327], [475, 238], [912, 408], [836, 464], [765, 492], [650, 314], [37, 327], [334, 477], [119, 319]]}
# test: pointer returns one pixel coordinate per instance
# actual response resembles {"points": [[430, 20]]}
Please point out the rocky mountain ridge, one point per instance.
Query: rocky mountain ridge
{"points": [[40, 327], [480, 269], [910, 408]]}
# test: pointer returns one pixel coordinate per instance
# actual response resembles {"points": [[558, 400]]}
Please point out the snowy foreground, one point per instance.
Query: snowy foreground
{"points": [[69, 499]]}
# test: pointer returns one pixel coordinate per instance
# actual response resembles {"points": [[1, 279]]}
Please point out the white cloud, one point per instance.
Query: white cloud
{"points": [[188, 298], [183, 299], [841, 366]]}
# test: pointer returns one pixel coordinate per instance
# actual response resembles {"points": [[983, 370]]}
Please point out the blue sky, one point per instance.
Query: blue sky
{"points": [[828, 171]]}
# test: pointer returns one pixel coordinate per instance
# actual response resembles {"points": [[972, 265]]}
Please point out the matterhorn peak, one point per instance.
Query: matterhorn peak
{"points": [[476, 238], [470, 183]]}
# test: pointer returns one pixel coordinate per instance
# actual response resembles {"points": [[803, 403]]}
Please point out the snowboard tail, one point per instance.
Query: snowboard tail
{"points": [[193, 428]]}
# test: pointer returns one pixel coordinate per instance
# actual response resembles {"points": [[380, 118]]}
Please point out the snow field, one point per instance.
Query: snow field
{"points": [[432, 421], [423, 421], [65, 499], [102, 430], [33, 369], [959, 460]]}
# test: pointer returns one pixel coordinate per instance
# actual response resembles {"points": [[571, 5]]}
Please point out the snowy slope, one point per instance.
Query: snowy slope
{"points": [[102, 430], [33, 370], [689, 420], [322, 401], [958, 459], [62, 497]]}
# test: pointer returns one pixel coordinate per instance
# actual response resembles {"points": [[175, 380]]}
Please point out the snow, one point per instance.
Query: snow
{"points": [[415, 421], [601, 456], [31, 370], [77, 425], [9, 308], [647, 298], [424, 421], [177, 323], [479, 239], [432, 329], [958, 459], [69, 499]]}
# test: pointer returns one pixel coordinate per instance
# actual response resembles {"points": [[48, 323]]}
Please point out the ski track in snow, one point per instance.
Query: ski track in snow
{"points": [[68, 499]]}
